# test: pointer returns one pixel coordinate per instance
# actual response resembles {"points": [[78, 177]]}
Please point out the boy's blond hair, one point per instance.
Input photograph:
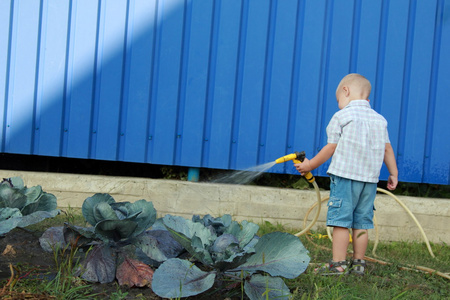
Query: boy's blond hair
{"points": [[359, 84]]}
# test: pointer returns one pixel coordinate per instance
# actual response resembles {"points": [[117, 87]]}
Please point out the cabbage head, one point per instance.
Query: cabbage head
{"points": [[228, 251], [21, 206], [118, 220], [120, 244]]}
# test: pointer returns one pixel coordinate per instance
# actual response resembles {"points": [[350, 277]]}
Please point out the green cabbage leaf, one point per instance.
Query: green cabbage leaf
{"points": [[21, 206]]}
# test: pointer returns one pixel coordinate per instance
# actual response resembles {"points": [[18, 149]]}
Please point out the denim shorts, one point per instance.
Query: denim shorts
{"points": [[351, 203]]}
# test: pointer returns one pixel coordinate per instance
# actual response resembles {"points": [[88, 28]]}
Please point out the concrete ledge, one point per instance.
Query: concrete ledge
{"points": [[243, 202]]}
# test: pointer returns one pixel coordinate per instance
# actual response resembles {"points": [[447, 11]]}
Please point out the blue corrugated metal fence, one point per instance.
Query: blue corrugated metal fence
{"points": [[225, 84]]}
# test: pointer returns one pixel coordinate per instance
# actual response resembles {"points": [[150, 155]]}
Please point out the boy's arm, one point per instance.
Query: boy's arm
{"points": [[389, 160], [316, 161]]}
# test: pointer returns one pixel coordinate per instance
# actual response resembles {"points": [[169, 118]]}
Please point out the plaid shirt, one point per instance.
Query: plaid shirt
{"points": [[360, 134]]}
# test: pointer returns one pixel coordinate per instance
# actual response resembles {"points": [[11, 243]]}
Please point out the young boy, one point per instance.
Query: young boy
{"points": [[358, 141]]}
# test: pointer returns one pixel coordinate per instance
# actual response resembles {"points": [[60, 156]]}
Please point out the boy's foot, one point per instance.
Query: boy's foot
{"points": [[358, 266], [333, 268]]}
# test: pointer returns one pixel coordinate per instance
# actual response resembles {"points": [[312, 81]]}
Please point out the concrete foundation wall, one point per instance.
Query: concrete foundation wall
{"points": [[252, 203]]}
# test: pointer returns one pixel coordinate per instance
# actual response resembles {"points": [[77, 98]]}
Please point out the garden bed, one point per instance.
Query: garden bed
{"points": [[381, 282]]}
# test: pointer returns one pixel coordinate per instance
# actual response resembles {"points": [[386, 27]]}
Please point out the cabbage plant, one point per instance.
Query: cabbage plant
{"points": [[224, 250], [120, 246], [21, 206]]}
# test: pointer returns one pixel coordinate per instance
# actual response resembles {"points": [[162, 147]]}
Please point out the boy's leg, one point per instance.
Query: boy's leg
{"points": [[340, 216], [340, 243], [363, 217], [360, 241]]}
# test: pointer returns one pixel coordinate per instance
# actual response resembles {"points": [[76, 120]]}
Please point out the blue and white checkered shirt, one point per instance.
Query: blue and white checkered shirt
{"points": [[361, 136]]}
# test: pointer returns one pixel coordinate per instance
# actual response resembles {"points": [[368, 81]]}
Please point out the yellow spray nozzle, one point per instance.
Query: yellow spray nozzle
{"points": [[297, 157], [286, 158]]}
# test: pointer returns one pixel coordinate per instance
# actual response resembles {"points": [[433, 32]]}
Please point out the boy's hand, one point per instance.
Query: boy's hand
{"points": [[392, 182], [303, 167], [321, 157]]}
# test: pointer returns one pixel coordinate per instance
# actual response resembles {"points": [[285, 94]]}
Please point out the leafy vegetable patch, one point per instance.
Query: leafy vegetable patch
{"points": [[179, 257], [21, 206]]}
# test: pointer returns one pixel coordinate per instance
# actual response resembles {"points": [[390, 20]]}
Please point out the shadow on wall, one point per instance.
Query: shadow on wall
{"points": [[80, 77]]}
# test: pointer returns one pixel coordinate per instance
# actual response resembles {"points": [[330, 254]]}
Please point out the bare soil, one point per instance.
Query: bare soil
{"points": [[21, 249]]}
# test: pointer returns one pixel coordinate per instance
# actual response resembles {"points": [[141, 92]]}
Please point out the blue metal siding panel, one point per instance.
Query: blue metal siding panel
{"points": [[22, 77], [417, 88], [139, 65], [368, 41], [167, 82], [278, 82], [437, 165], [110, 62], [191, 117], [308, 96], [50, 88], [80, 79], [294, 90], [248, 122], [220, 84], [388, 101], [405, 101], [6, 16]]}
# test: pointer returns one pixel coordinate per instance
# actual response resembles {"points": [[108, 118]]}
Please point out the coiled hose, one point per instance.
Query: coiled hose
{"points": [[314, 220], [316, 217]]}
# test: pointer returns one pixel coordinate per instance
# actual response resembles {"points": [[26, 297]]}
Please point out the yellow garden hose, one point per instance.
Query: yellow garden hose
{"points": [[298, 157], [314, 220], [412, 216]]}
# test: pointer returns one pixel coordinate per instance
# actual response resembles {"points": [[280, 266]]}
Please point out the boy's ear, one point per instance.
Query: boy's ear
{"points": [[346, 90]]}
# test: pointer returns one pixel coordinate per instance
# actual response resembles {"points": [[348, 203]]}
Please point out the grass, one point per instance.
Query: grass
{"points": [[70, 215], [27, 282], [383, 281]]}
